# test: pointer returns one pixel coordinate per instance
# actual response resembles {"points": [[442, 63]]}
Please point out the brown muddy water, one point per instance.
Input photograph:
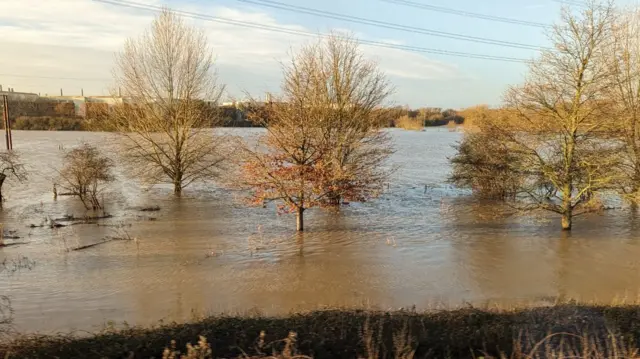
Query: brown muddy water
{"points": [[423, 243]]}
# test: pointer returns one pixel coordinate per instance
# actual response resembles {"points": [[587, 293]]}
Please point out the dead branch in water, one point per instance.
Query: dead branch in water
{"points": [[121, 235], [70, 218], [3, 245], [105, 240]]}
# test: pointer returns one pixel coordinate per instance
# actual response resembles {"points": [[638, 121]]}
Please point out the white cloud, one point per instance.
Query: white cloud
{"points": [[411, 65], [76, 39]]}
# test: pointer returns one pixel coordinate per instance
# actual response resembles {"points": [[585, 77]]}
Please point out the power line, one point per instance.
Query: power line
{"points": [[388, 25], [154, 8], [466, 13]]}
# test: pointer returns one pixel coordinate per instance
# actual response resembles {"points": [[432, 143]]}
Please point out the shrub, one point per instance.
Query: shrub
{"points": [[483, 165], [409, 123], [84, 173]]}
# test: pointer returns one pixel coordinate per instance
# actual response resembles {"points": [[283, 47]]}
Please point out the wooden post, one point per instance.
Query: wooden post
{"points": [[10, 133], [5, 118]]}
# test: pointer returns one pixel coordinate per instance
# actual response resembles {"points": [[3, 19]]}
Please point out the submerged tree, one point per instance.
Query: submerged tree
{"points": [[486, 166], [323, 143], [170, 94], [347, 88], [84, 174], [548, 146], [11, 167], [560, 118]]}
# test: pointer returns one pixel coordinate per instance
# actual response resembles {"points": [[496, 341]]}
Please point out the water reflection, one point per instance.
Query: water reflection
{"points": [[207, 252]]}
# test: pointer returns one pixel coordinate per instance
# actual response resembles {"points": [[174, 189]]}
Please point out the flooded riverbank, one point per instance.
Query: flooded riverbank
{"points": [[423, 243]]}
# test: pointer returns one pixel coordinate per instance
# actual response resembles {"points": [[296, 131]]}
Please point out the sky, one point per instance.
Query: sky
{"points": [[48, 45]]}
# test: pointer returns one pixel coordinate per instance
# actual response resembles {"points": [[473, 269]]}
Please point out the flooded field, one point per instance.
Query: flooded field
{"points": [[423, 243]]}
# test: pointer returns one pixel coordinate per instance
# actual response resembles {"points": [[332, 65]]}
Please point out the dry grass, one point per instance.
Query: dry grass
{"points": [[202, 350], [571, 346]]}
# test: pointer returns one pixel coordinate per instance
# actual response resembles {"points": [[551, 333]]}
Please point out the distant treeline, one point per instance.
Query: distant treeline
{"points": [[47, 123], [426, 116], [230, 117], [233, 117]]}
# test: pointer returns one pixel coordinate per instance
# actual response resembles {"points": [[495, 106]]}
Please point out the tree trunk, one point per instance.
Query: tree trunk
{"points": [[567, 205], [300, 219], [567, 219], [177, 188]]}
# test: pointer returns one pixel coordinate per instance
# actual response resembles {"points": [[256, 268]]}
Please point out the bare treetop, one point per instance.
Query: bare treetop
{"points": [[170, 61], [171, 96]]}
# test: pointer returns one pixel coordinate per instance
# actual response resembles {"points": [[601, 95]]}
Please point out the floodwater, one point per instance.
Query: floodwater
{"points": [[424, 243]]}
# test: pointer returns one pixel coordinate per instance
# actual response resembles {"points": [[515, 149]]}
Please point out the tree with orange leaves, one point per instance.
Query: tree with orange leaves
{"points": [[324, 144]]}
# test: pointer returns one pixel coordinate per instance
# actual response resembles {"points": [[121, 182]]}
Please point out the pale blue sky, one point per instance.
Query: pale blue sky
{"points": [[483, 81], [74, 41]]}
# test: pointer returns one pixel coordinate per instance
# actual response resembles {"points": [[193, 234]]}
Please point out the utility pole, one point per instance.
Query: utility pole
{"points": [[7, 123]]}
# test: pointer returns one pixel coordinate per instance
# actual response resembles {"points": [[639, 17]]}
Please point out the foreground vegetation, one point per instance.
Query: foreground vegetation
{"points": [[580, 331]]}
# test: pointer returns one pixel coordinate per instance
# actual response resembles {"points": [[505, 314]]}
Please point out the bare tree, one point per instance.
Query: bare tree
{"points": [[11, 167], [84, 174], [171, 95], [347, 88], [550, 144], [624, 97], [557, 123], [323, 143]]}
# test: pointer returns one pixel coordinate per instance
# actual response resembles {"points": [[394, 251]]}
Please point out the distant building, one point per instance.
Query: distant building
{"points": [[18, 96], [81, 102]]}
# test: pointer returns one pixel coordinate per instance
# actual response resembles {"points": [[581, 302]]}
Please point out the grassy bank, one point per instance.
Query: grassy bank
{"points": [[603, 331]]}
